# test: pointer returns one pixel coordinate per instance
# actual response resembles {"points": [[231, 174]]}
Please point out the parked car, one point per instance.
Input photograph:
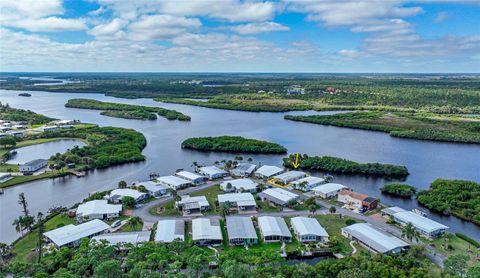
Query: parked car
{"points": [[116, 224]]}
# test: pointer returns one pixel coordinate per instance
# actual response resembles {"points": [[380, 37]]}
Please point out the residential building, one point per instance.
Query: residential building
{"points": [[117, 195], [32, 166], [374, 239], [48, 128], [422, 224], [307, 183], [155, 189], [212, 172], [239, 185], [241, 231], [174, 182], [308, 229], [288, 177], [274, 229], [357, 201], [206, 231], [192, 177], [328, 190], [134, 238], [192, 205], [267, 171], [170, 230], [242, 201], [5, 177], [70, 235], [389, 212], [243, 170], [278, 196], [97, 209]]}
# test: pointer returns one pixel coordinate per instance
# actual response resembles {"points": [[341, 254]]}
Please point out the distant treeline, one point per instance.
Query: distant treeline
{"points": [[232, 144], [13, 114], [340, 165]]}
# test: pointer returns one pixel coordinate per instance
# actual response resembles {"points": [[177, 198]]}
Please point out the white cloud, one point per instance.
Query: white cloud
{"points": [[108, 29], [440, 17], [150, 27], [262, 27]]}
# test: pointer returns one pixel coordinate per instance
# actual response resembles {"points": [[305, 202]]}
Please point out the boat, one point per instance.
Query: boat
{"points": [[419, 212], [24, 95]]}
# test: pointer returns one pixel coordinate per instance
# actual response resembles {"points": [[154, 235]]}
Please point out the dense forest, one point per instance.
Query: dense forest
{"points": [[458, 197], [400, 190], [232, 144], [127, 110], [422, 126], [340, 165], [12, 114]]}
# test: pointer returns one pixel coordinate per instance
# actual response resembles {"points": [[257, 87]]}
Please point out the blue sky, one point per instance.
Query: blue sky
{"points": [[240, 35]]}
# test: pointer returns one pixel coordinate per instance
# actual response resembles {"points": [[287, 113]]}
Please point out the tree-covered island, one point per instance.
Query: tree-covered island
{"points": [[233, 144]]}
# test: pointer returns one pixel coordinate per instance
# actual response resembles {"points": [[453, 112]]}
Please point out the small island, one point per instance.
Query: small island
{"points": [[235, 144], [340, 165], [399, 190], [24, 95]]}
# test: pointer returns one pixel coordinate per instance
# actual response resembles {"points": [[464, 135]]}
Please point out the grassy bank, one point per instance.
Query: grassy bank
{"points": [[27, 143], [233, 144]]}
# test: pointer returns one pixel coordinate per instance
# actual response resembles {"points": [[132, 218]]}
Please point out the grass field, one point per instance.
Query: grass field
{"points": [[457, 245], [23, 179], [5, 168]]}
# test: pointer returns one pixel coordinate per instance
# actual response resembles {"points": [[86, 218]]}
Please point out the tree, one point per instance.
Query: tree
{"points": [[108, 269], [228, 187], [225, 209], [8, 141], [302, 185], [27, 222], [456, 265], [328, 178], [409, 232], [122, 184], [41, 230], [18, 225], [473, 272], [332, 209], [128, 202], [23, 202], [133, 222], [312, 208]]}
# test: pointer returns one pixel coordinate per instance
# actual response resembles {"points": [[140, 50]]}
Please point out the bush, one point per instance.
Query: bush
{"points": [[468, 239], [401, 190], [350, 222], [232, 144]]}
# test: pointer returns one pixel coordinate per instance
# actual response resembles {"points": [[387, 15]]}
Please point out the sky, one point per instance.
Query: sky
{"points": [[240, 36]]}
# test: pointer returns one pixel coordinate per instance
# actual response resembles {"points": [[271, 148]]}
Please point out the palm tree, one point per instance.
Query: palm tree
{"points": [[408, 232], [133, 222], [312, 208], [225, 209], [41, 230], [332, 209], [18, 225]]}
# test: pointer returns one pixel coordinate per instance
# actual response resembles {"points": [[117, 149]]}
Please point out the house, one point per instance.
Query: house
{"points": [[32, 166], [70, 235], [155, 189], [357, 201], [328, 190], [308, 229], [134, 238], [192, 205], [295, 89], [278, 196], [389, 212], [288, 177], [117, 195], [206, 231], [307, 183], [15, 133], [170, 230], [374, 239], [241, 231], [243, 170], [274, 229], [192, 177], [48, 128], [243, 201], [212, 172], [97, 209], [424, 225], [239, 185], [267, 171], [5, 177], [174, 182]]}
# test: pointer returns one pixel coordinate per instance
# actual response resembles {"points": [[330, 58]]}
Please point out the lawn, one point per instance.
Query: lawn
{"points": [[457, 245], [266, 207], [22, 179], [128, 228], [333, 225], [211, 194], [168, 210], [5, 167]]}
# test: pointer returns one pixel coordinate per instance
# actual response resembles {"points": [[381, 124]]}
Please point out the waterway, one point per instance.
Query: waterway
{"points": [[425, 160], [45, 150]]}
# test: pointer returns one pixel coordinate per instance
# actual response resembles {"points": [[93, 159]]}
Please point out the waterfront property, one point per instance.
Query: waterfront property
{"points": [[5, 177], [192, 205], [288, 177], [308, 229], [328, 190], [244, 202], [424, 225], [267, 171], [170, 230], [374, 239], [192, 177], [278, 196], [274, 229], [206, 231], [243, 170], [389, 212], [241, 231], [155, 189], [32, 166], [174, 182], [117, 195], [97, 209], [357, 201], [239, 185], [212, 172], [307, 183], [134, 238], [70, 235]]}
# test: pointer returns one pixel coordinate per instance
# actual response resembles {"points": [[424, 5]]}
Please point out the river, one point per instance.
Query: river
{"points": [[45, 150], [425, 160]]}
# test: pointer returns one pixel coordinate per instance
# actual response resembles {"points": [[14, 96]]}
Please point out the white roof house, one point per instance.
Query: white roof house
{"points": [[424, 225], [392, 210], [374, 239], [274, 229], [153, 188], [241, 230], [278, 196], [212, 172], [124, 238], [267, 171], [117, 194], [174, 182], [194, 178], [243, 169], [242, 200], [170, 230], [290, 176], [206, 231], [189, 205], [5, 176], [71, 234], [246, 184], [309, 183], [201, 200], [308, 229], [97, 209], [328, 190]]}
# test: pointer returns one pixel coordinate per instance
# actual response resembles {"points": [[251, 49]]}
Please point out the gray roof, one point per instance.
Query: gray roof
{"points": [[71, 233], [278, 195], [205, 228], [129, 237], [236, 198], [97, 207], [169, 230], [273, 226], [419, 222], [392, 210], [240, 227], [35, 162], [290, 176], [268, 171], [376, 239], [244, 168], [308, 226]]}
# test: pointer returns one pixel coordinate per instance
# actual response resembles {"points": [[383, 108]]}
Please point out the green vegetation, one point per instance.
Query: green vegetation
{"points": [[422, 126], [340, 165], [232, 144], [13, 114], [458, 197], [127, 111], [451, 245], [400, 190]]}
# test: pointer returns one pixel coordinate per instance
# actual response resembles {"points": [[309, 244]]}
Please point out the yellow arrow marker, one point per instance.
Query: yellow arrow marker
{"points": [[295, 163]]}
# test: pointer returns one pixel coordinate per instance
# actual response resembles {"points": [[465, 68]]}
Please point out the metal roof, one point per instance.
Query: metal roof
{"points": [[200, 200], [173, 180], [310, 180], [280, 194], [127, 192], [189, 175], [419, 222], [392, 210], [98, 207], [212, 170], [290, 176], [376, 239], [273, 226], [129, 237], [205, 228], [240, 227], [71, 233], [268, 171], [329, 188], [169, 230], [152, 186], [246, 184], [236, 198], [308, 226], [244, 168], [35, 162]]}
